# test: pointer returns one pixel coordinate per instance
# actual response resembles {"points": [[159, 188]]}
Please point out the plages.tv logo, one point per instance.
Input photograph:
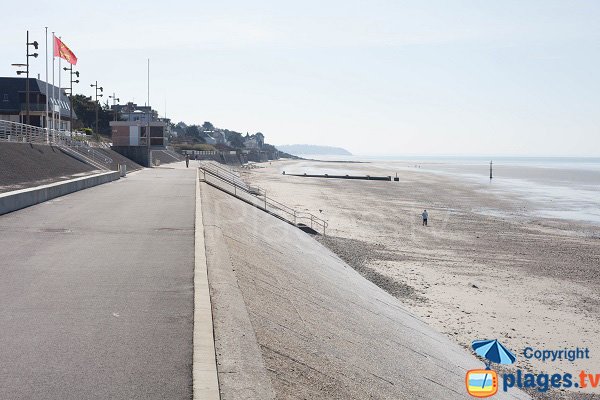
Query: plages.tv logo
{"points": [[483, 383]]}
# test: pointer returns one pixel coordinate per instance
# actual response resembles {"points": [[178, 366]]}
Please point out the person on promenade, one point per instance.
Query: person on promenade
{"points": [[425, 215], [187, 160]]}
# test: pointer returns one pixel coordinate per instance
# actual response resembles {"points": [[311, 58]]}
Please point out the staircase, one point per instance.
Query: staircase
{"points": [[228, 182], [87, 155]]}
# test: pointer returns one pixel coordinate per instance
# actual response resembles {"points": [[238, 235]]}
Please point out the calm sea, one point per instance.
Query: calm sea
{"points": [[556, 187]]}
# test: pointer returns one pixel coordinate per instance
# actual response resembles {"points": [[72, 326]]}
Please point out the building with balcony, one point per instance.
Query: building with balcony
{"points": [[13, 103]]}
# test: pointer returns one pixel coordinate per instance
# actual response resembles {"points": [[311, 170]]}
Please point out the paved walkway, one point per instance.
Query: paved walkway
{"points": [[96, 292]]}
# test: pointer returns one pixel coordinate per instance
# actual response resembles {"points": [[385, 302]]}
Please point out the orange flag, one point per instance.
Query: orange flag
{"points": [[61, 50]]}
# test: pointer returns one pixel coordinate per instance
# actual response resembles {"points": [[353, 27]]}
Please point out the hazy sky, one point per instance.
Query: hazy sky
{"points": [[376, 77]]}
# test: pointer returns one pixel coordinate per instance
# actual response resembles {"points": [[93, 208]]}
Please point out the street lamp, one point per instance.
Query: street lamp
{"points": [[115, 101], [71, 73], [97, 103], [34, 55]]}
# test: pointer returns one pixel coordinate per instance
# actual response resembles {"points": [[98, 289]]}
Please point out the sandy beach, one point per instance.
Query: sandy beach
{"points": [[486, 267]]}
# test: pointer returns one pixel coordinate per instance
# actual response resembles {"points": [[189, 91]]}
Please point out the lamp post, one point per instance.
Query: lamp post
{"points": [[19, 72], [34, 55], [97, 88], [115, 100], [71, 73]]}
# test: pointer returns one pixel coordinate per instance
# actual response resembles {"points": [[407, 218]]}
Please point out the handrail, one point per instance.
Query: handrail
{"points": [[214, 164], [266, 203], [16, 132], [260, 191], [218, 170], [92, 154]]}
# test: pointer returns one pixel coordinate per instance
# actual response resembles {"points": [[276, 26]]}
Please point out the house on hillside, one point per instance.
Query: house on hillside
{"points": [[208, 138], [255, 141], [133, 113], [13, 103]]}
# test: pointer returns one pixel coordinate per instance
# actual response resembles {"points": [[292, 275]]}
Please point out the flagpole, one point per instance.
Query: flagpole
{"points": [[59, 92], [47, 126], [53, 86], [149, 112]]}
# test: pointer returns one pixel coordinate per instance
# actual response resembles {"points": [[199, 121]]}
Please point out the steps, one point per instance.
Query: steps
{"points": [[88, 156], [233, 185]]}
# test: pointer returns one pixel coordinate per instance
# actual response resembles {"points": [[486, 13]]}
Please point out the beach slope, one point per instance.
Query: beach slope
{"points": [[293, 321]]}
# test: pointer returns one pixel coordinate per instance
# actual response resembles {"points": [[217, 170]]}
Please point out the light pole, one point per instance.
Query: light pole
{"points": [[71, 73], [115, 101], [34, 55], [19, 72], [97, 88]]}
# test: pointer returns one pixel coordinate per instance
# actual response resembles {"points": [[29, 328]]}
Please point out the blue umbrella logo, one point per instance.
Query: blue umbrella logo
{"points": [[493, 351]]}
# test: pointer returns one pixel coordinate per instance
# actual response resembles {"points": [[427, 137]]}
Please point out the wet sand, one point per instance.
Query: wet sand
{"points": [[484, 268]]}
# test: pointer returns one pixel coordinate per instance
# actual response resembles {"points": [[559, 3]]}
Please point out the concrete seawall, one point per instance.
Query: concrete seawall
{"points": [[293, 321], [12, 201]]}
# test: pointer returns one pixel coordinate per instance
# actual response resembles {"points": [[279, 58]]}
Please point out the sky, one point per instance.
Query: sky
{"points": [[426, 77]]}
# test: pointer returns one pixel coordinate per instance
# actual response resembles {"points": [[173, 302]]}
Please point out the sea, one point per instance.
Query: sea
{"points": [[555, 187]]}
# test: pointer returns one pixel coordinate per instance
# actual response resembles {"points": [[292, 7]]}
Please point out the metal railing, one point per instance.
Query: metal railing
{"points": [[262, 201], [97, 158], [23, 133], [219, 170], [33, 107]]}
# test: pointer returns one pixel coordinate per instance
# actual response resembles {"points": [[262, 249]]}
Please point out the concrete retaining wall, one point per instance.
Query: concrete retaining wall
{"points": [[18, 199], [139, 154]]}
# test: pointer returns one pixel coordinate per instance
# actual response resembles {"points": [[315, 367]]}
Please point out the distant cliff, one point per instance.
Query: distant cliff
{"points": [[313, 149]]}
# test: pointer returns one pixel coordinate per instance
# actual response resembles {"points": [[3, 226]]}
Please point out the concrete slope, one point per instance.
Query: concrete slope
{"points": [[293, 321], [119, 159], [165, 157], [24, 165], [96, 292]]}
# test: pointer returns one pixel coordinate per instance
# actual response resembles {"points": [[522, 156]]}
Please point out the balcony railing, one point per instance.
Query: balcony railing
{"points": [[35, 107]]}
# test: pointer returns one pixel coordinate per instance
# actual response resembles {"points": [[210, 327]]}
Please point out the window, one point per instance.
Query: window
{"points": [[5, 97]]}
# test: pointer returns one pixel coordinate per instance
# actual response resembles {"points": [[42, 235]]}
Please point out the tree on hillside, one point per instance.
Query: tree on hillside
{"points": [[236, 140], [180, 128], [207, 126], [193, 132], [85, 110]]}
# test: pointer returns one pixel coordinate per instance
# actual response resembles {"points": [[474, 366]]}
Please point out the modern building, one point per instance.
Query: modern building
{"points": [[131, 133], [13, 103]]}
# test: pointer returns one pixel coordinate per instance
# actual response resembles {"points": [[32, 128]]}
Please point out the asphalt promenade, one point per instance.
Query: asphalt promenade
{"points": [[96, 292]]}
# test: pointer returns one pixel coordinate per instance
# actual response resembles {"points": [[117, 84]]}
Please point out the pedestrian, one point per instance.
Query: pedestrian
{"points": [[187, 160], [425, 215]]}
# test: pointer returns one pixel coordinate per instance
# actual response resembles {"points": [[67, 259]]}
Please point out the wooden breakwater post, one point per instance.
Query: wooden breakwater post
{"points": [[491, 175]]}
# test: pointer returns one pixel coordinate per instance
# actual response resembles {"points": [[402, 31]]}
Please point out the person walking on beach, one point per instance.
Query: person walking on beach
{"points": [[187, 160], [425, 215]]}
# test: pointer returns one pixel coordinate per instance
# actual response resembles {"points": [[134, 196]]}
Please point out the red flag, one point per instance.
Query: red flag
{"points": [[61, 50]]}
